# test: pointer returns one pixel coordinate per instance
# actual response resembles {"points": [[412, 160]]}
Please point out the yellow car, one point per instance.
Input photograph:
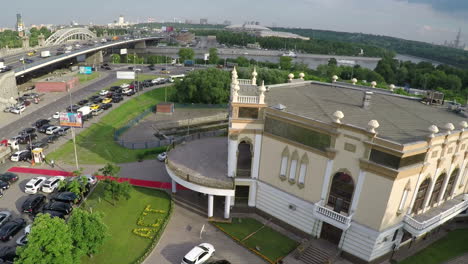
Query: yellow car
{"points": [[106, 100], [165, 72], [32, 53], [95, 107]]}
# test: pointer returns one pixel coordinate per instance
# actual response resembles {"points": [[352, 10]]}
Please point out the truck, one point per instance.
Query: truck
{"points": [[7, 147], [85, 110], [45, 53], [189, 63]]}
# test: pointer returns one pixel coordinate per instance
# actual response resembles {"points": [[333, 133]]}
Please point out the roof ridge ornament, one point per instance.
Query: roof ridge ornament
{"points": [[434, 130]]}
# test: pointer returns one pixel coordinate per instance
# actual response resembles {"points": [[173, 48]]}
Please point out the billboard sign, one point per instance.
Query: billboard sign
{"points": [[126, 75], [206, 56], [71, 119], [86, 70], [123, 51]]}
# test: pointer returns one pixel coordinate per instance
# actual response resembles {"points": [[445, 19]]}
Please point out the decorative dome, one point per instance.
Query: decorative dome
{"points": [[450, 127], [434, 130], [262, 87], [463, 125], [373, 84], [290, 76], [334, 78], [254, 73], [354, 81], [301, 75], [373, 124], [392, 87], [338, 115]]}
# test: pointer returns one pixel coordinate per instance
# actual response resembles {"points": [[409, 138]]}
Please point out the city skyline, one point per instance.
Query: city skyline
{"points": [[424, 20]]}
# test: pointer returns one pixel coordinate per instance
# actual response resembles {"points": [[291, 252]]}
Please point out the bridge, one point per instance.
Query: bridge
{"points": [[68, 34], [43, 62]]}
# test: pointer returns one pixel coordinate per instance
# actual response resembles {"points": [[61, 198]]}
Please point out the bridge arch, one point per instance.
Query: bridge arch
{"points": [[67, 34]]}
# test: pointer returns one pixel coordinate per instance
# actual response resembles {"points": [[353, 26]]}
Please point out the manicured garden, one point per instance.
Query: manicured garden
{"points": [[449, 247], [135, 225], [262, 240], [96, 144]]}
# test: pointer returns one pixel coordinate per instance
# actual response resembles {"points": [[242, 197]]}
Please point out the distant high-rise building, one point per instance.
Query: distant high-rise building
{"points": [[457, 39], [227, 22], [456, 43], [121, 21], [203, 21], [19, 25]]}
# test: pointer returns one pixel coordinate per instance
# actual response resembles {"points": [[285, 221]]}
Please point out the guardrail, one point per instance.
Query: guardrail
{"points": [[420, 226]]}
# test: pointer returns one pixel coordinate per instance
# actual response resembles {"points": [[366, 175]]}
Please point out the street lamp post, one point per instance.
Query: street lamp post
{"points": [[73, 134]]}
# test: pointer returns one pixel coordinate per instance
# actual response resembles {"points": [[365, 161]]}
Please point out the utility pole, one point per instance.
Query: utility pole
{"points": [[73, 134]]}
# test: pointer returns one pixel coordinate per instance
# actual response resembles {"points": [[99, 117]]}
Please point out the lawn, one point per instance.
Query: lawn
{"points": [[83, 78], [451, 246], [96, 144], [123, 246], [272, 245]]}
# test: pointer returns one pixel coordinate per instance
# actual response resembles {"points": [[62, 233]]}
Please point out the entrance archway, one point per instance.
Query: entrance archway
{"points": [[244, 159], [341, 192]]}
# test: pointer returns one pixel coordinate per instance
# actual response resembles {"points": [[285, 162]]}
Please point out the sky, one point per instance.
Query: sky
{"points": [[424, 20]]}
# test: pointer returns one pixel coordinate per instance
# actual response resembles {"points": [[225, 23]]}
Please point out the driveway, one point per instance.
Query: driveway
{"points": [[183, 233]]}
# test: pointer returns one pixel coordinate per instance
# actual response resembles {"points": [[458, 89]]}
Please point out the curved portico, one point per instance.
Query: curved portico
{"points": [[201, 166]]}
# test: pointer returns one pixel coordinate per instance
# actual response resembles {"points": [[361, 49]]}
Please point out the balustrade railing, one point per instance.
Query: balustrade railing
{"points": [[332, 215], [247, 99], [244, 81]]}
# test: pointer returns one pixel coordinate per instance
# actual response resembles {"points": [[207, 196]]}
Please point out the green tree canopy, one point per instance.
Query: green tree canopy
{"points": [[50, 242], [115, 190], [285, 63], [109, 170], [88, 232], [210, 86], [214, 58], [186, 54]]}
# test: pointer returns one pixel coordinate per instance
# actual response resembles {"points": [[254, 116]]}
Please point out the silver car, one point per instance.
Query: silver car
{"points": [[4, 217]]}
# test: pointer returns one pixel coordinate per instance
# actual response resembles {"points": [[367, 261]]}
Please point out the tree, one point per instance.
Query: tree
{"points": [[88, 232], [109, 170], [115, 58], [186, 54], [285, 63], [242, 61], [50, 242], [115, 190], [214, 58], [210, 86], [332, 62]]}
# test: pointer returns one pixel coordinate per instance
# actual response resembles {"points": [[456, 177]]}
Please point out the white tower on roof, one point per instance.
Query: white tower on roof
{"points": [[234, 85], [254, 76]]}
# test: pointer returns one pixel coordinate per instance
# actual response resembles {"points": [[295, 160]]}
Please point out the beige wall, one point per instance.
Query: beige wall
{"points": [[270, 163]]}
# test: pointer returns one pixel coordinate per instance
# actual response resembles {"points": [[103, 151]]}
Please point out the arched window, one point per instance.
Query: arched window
{"points": [[303, 170], [437, 189], [284, 163], [244, 159], [341, 192], [293, 167], [421, 194], [451, 184], [404, 196]]}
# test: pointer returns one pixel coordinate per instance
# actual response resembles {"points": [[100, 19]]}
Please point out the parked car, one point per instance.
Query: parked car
{"points": [[56, 115], [95, 107], [162, 156], [9, 177], [34, 185], [44, 128], [40, 123], [18, 110], [97, 111], [51, 184], [68, 197], [109, 95], [22, 155], [4, 185], [199, 254], [4, 217], [103, 92], [52, 130], [8, 109], [62, 131], [106, 106], [63, 207], [10, 228], [73, 108], [33, 204], [8, 254], [83, 102], [124, 85], [91, 179], [54, 213], [94, 97], [117, 99], [114, 88], [106, 100], [52, 138], [26, 138], [27, 131], [22, 240], [38, 144]]}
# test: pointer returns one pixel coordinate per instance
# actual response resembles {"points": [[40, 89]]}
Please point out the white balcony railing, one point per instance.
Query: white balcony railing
{"points": [[332, 217], [247, 99], [244, 81], [417, 228]]}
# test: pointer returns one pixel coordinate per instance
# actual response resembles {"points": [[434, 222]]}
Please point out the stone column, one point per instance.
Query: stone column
{"points": [[232, 155], [210, 205], [357, 191], [256, 156], [41, 40], [252, 194], [25, 43], [227, 206], [174, 186], [326, 180]]}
